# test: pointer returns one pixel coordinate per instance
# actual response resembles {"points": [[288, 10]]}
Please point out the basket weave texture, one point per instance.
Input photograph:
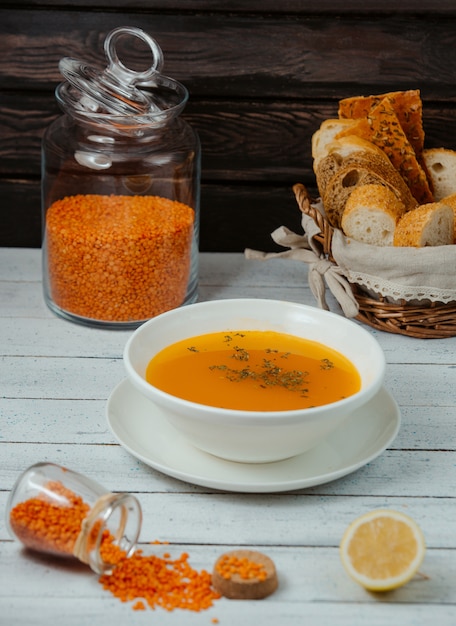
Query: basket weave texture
{"points": [[430, 320]]}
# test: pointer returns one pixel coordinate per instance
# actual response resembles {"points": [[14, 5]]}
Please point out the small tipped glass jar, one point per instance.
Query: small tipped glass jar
{"points": [[120, 193], [60, 512]]}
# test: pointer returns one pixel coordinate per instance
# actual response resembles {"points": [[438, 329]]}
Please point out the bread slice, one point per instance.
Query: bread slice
{"points": [[441, 165], [430, 224], [342, 152], [451, 202], [352, 150], [351, 144], [371, 214], [342, 184], [325, 135], [407, 106], [383, 128]]}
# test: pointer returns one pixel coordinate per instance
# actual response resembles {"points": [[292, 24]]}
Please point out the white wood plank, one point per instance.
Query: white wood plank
{"points": [[295, 519], [48, 335], [54, 421], [86, 612], [418, 385], [307, 576], [20, 264], [402, 349], [55, 379], [53, 336], [398, 473], [84, 421], [28, 323], [236, 270], [50, 377]]}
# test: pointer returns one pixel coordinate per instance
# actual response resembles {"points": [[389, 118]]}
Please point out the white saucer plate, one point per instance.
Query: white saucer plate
{"points": [[143, 430]]}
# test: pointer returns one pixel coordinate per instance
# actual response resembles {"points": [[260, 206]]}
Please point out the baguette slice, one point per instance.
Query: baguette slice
{"points": [[441, 165], [430, 224], [407, 106], [326, 134], [342, 185], [451, 202], [352, 150], [383, 128], [371, 214], [343, 152]]}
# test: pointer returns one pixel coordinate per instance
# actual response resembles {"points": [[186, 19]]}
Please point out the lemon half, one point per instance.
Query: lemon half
{"points": [[383, 549]]}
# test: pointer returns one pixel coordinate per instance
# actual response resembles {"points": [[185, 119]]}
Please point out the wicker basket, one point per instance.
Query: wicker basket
{"points": [[432, 320]]}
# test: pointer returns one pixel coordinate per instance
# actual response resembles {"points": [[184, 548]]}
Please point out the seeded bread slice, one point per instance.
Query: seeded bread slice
{"points": [[430, 224], [407, 106], [371, 215], [383, 128]]}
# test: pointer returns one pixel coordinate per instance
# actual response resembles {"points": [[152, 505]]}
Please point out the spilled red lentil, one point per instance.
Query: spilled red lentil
{"points": [[160, 581], [146, 580], [118, 258]]}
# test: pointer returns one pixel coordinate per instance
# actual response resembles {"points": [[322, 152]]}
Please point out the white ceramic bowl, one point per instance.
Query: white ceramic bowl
{"points": [[254, 436]]}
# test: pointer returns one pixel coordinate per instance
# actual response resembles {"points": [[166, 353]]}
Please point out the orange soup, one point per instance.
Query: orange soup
{"points": [[253, 371]]}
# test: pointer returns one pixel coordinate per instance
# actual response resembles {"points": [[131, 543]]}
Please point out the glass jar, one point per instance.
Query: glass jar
{"points": [[57, 511], [120, 193]]}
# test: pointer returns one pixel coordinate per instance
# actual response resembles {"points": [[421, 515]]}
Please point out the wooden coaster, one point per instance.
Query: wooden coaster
{"points": [[244, 575]]}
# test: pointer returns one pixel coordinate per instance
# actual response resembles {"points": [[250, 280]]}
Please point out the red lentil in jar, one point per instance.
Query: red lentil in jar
{"points": [[50, 524], [54, 510], [118, 258]]}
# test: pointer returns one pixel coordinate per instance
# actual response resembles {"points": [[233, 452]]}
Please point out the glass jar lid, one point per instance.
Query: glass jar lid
{"points": [[119, 95]]}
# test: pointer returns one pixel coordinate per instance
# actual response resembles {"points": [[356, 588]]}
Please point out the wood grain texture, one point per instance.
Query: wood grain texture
{"points": [[261, 75], [237, 54], [55, 380], [379, 7]]}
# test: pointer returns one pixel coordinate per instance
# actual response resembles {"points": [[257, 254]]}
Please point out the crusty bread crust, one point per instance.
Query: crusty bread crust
{"points": [[371, 214], [375, 151], [406, 104], [382, 127], [351, 144], [451, 202], [430, 224]]}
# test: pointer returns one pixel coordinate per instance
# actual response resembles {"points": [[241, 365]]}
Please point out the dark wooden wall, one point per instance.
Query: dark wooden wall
{"points": [[262, 75]]}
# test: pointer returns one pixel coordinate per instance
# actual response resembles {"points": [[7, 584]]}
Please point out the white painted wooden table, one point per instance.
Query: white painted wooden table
{"points": [[55, 379]]}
